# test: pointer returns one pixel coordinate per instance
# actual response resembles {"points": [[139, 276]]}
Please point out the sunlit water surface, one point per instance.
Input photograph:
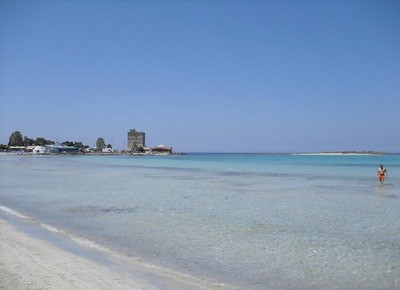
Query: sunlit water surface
{"points": [[252, 220]]}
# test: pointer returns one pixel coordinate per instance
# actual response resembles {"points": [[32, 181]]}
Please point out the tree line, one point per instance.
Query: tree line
{"points": [[16, 139]]}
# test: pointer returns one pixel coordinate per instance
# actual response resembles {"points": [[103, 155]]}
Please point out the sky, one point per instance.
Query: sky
{"points": [[203, 75]]}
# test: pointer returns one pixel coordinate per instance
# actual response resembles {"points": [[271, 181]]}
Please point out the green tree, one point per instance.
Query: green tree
{"points": [[100, 144], [28, 141], [16, 139], [68, 143], [79, 145], [40, 141], [3, 147]]}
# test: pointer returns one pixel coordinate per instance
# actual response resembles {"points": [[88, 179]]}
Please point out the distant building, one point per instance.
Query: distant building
{"points": [[107, 150], [52, 149], [135, 140], [16, 148], [40, 150], [29, 148], [162, 149], [61, 149]]}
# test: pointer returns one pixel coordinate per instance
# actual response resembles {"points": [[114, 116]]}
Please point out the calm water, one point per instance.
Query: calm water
{"points": [[256, 221]]}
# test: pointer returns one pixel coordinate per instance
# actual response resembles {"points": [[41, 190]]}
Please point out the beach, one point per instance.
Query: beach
{"points": [[199, 221], [27, 262]]}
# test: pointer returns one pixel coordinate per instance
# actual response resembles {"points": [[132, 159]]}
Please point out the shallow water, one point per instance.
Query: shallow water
{"points": [[256, 221]]}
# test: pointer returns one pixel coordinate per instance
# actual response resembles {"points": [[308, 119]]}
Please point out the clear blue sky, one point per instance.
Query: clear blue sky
{"points": [[204, 76]]}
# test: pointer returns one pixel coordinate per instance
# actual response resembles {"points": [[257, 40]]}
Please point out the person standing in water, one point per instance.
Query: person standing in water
{"points": [[382, 173]]}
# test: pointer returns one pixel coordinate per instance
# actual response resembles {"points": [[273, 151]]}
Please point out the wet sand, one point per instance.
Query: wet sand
{"points": [[30, 263]]}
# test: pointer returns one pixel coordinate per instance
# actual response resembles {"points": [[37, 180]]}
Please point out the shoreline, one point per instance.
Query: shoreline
{"points": [[38, 258], [339, 154], [119, 153]]}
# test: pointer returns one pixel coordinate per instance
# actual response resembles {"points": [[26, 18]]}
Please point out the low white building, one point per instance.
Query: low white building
{"points": [[40, 150], [107, 150]]}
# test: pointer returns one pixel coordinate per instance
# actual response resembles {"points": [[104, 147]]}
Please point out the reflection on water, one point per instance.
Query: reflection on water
{"points": [[387, 190]]}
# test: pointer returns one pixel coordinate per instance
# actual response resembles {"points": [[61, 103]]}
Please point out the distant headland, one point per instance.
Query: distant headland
{"points": [[346, 153], [135, 146]]}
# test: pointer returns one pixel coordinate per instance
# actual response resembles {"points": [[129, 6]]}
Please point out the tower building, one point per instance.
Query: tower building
{"points": [[136, 140]]}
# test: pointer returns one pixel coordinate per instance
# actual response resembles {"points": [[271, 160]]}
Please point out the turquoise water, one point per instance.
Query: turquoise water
{"points": [[251, 220]]}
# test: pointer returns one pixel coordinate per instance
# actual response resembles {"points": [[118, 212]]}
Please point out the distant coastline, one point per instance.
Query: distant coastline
{"points": [[125, 153], [347, 153]]}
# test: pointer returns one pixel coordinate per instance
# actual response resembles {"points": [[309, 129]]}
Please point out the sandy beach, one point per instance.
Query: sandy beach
{"points": [[30, 263]]}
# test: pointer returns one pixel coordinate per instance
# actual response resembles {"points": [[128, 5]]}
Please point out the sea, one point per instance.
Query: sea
{"points": [[253, 221]]}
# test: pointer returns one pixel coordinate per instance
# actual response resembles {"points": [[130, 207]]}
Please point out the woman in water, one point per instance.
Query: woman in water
{"points": [[382, 173]]}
